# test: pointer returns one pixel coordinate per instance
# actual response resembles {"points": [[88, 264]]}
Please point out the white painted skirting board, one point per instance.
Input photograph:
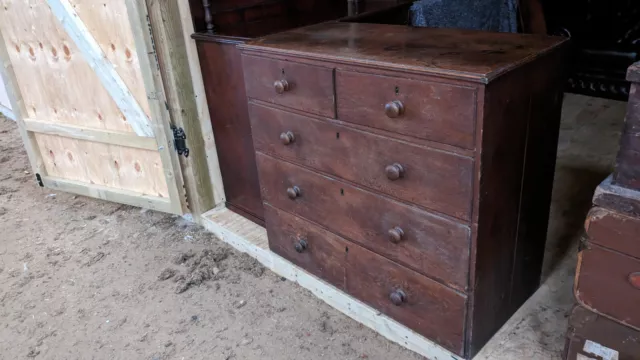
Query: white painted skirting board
{"points": [[7, 112], [250, 238]]}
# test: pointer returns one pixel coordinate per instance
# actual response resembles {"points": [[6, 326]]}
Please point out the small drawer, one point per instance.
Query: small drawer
{"points": [[304, 87], [429, 244], [614, 231], [419, 303], [609, 283], [432, 111], [433, 179]]}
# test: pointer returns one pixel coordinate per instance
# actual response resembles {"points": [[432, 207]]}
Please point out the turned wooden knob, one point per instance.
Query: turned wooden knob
{"points": [[394, 171], [281, 86], [396, 234], [293, 192], [394, 109], [287, 137], [634, 279], [301, 245], [398, 297]]}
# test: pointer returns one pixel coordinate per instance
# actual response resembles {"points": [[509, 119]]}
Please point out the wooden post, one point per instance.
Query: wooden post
{"points": [[627, 173]]}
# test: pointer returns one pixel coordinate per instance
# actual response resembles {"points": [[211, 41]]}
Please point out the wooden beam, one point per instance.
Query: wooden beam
{"points": [[251, 238], [160, 117], [201, 103], [90, 134], [179, 90], [105, 70], [109, 194], [8, 77]]}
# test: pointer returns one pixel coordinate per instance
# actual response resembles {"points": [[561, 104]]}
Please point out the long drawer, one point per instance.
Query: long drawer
{"points": [[431, 178], [300, 86], [416, 301], [609, 283], [440, 112], [429, 244]]}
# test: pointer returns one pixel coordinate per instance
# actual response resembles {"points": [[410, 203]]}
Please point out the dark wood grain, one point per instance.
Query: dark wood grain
{"points": [[517, 157], [429, 308], [473, 55], [325, 255], [470, 134], [432, 111], [603, 286], [310, 88], [585, 325], [614, 231], [224, 84], [434, 179], [432, 245]]}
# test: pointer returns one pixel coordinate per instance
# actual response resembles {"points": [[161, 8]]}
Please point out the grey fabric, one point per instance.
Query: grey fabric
{"points": [[488, 15]]}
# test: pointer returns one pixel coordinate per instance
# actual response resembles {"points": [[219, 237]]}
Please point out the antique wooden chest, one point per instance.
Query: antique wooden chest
{"points": [[410, 167]]}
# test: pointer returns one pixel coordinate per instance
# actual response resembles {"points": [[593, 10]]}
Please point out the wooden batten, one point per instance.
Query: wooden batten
{"points": [[185, 102]]}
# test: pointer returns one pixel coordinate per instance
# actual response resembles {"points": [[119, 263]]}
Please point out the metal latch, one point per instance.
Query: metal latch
{"points": [[180, 141]]}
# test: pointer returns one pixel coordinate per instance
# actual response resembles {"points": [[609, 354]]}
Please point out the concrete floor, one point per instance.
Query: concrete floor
{"points": [[589, 135]]}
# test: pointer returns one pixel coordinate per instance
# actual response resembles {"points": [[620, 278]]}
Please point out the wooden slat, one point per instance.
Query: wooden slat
{"points": [[82, 133], [178, 87], [204, 116], [105, 70], [160, 117], [109, 194]]}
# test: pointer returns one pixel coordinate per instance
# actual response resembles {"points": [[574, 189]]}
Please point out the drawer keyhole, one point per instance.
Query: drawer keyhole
{"points": [[342, 192], [337, 135]]}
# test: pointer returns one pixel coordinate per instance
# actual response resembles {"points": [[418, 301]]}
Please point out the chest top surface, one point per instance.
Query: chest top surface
{"points": [[467, 54]]}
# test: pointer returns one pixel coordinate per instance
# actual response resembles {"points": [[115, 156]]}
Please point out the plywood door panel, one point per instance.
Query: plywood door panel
{"points": [[83, 141]]}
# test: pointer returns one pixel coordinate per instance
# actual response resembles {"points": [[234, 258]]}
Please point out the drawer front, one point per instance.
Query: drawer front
{"points": [[429, 244], [304, 87], [609, 283], [614, 230], [423, 305], [430, 178], [431, 111]]}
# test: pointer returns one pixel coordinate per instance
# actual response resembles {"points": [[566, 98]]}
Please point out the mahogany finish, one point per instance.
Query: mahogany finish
{"points": [[426, 110], [307, 88], [231, 128], [614, 231], [429, 244], [434, 172], [424, 305], [433, 179], [606, 283], [221, 25]]}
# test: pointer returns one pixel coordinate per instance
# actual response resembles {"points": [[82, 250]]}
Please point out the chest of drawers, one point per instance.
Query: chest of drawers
{"points": [[411, 168]]}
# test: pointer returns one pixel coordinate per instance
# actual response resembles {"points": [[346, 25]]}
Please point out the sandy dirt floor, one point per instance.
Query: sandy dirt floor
{"points": [[83, 279], [87, 279]]}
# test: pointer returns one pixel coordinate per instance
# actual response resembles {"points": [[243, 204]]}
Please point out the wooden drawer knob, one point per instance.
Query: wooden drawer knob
{"points": [[287, 137], [301, 245], [396, 234], [281, 86], [634, 279], [394, 109], [394, 171], [293, 192], [398, 297]]}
